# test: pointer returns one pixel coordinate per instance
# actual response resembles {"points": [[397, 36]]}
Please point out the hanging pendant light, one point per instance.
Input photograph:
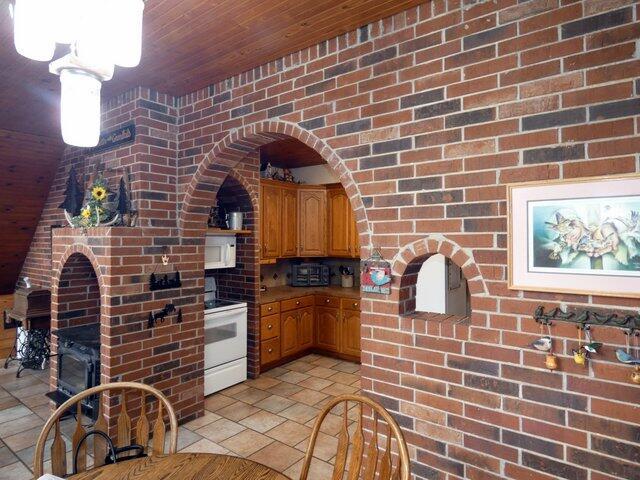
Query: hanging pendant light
{"points": [[80, 108], [67, 18], [32, 34], [127, 42]]}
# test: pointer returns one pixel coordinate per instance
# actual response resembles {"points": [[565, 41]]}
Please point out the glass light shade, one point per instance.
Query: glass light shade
{"points": [[32, 34], [94, 42], [126, 41], [80, 108], [67, 18]]}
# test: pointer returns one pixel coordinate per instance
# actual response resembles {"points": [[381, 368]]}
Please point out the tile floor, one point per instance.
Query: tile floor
{"points": [[268, 420]]}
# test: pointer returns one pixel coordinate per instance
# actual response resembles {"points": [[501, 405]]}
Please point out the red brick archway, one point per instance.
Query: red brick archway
{"points": [[227, 153], [407, 263]]}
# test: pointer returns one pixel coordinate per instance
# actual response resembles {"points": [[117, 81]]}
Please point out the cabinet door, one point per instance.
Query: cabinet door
{"points": [[327, 328], [289, 236], [350, 333], [270, 220], [339, 223], [354, 245], [289, 333], [305, 328], [312, 222]]}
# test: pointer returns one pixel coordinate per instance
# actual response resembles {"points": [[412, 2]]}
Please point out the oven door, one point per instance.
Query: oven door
{"points": [[220, 252], [225, 336]]}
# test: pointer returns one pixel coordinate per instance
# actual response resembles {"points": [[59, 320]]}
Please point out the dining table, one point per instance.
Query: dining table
{"points": [[183, 466]]}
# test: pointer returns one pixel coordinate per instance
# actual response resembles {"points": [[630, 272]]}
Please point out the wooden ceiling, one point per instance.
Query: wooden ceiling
{"points": [[289, 153], [27, 167], [187, 45]]}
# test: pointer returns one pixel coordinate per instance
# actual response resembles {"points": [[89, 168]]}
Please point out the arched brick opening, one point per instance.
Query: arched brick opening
{"points": [[407, 263], [233, 149]]}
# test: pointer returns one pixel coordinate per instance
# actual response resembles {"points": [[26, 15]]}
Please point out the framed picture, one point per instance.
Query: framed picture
{"points": [[576, 236]]}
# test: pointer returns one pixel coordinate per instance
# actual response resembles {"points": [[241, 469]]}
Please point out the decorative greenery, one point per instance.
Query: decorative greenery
{"points": [[72, 194], [97, 209]]}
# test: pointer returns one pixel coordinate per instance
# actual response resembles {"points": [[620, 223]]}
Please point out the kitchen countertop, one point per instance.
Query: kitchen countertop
{"points": [[275, 294]]}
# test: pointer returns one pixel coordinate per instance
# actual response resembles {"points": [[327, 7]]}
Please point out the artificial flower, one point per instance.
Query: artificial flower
{"points": [[86, 213], [99, 193]]}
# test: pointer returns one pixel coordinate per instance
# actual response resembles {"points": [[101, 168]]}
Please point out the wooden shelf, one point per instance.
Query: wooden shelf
{"points": [[220, 231]]}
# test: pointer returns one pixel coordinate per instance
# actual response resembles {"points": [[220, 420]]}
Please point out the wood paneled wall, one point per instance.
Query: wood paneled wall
{"points": [[7, 337], [27, 167]]}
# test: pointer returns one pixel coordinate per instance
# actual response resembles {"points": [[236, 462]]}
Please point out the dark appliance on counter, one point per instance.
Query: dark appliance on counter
{"points": [[310, 275], [78, 365]]}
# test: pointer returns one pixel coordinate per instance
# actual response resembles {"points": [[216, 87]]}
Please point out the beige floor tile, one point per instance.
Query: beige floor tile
{"points": [[315, 383], [205, 446], [246, 443], [206, 419], [16, 471], [274, 372], [217, 401], [331, 424], [308, 397], [251, 395], [262, 383], [9, 402], [262, 421], [277, 456], [35, 400], [274, 403], [237, 411], [327, 362], [285, 389], [43, 411], [325, 448], [348, 367], [220, 430], [13, 413], [300, 413], [339, 389], [290, 433], [318, 470], [38, 388], [231, 391], [321, 372], [311, 357], [299, 366], [21, 424], [293, 377], [7, 457], [345, 378], [22, 440]]}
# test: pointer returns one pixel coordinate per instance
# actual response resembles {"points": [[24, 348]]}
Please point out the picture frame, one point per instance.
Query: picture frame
{"points": [[578, 236]]}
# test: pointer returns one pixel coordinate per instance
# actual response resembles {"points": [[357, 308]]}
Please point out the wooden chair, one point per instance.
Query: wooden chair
{"points": [[58, 448], [373, 463]]}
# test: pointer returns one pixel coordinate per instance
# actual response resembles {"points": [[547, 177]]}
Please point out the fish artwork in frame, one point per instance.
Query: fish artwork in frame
{"points": [[576, 236]]}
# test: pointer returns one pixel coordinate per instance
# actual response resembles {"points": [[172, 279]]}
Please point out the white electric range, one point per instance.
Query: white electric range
{"points": [[225, 343]]}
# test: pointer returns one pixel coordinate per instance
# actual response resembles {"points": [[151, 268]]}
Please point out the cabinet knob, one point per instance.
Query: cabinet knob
{"points": [[269, 327], [327, 300], [355, 304], [270, 350], [298, 303], [270, 308]]}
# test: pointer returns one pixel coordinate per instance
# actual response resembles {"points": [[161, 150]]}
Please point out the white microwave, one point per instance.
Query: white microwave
{"points": [[220, 251]]}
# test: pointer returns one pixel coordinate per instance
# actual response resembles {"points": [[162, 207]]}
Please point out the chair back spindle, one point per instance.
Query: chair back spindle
{"points": [[59, 447], [374, 465]]}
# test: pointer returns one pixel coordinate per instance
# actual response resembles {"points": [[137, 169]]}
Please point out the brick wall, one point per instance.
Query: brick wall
{"points": [[425, 116]]}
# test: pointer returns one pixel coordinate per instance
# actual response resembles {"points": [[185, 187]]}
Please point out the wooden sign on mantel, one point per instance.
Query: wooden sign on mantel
{"points": [[115, 138]]}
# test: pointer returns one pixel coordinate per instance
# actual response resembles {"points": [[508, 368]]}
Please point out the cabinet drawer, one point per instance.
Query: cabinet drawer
{"points": [[294, 303], [269, 351], [350, 304], [269, 308], [269, 327], [327, 301]]}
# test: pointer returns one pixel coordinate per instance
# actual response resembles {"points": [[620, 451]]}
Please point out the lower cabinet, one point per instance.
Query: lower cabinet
{"points": [[333, 325]]}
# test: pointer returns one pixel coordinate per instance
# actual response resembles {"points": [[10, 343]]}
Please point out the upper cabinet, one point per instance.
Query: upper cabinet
{"points": [[270, 221], [305, 221], [312, 228]]}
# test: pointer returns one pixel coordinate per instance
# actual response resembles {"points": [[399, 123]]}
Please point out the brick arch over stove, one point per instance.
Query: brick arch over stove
{"points": [[228, 152], [407, 262]]}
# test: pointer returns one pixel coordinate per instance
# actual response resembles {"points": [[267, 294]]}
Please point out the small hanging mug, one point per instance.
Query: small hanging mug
{"points": [[580, 357], [635, 375]]}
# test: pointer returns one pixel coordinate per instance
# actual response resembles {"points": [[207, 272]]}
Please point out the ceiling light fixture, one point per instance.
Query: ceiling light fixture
{"points": [[100, 34]]}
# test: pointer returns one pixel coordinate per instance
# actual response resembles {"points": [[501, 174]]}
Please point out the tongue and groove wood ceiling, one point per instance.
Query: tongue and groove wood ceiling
{"points": [[187, 45]]}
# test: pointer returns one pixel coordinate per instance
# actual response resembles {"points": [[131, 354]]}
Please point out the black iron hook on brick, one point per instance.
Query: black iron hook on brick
{"points": [[584, 318]]}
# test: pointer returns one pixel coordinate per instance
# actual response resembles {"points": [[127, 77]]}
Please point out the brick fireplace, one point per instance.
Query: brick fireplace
{"points": [[425, 117]]}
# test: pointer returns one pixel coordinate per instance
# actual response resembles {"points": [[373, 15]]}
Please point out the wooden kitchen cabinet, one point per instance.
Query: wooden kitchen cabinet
{"points": [[289, 333], [343, 239], [350, 333], [305, 328], [289, 232], [327, 328], [312, 241], [339, 233], [270, 221]]}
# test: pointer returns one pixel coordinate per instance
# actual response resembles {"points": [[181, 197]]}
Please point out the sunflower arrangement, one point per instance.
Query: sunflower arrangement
{"points": [[97, 209]]}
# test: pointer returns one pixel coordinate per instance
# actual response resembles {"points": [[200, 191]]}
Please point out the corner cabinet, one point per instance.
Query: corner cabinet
{"points": [[306, 221], [312, 230]]}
